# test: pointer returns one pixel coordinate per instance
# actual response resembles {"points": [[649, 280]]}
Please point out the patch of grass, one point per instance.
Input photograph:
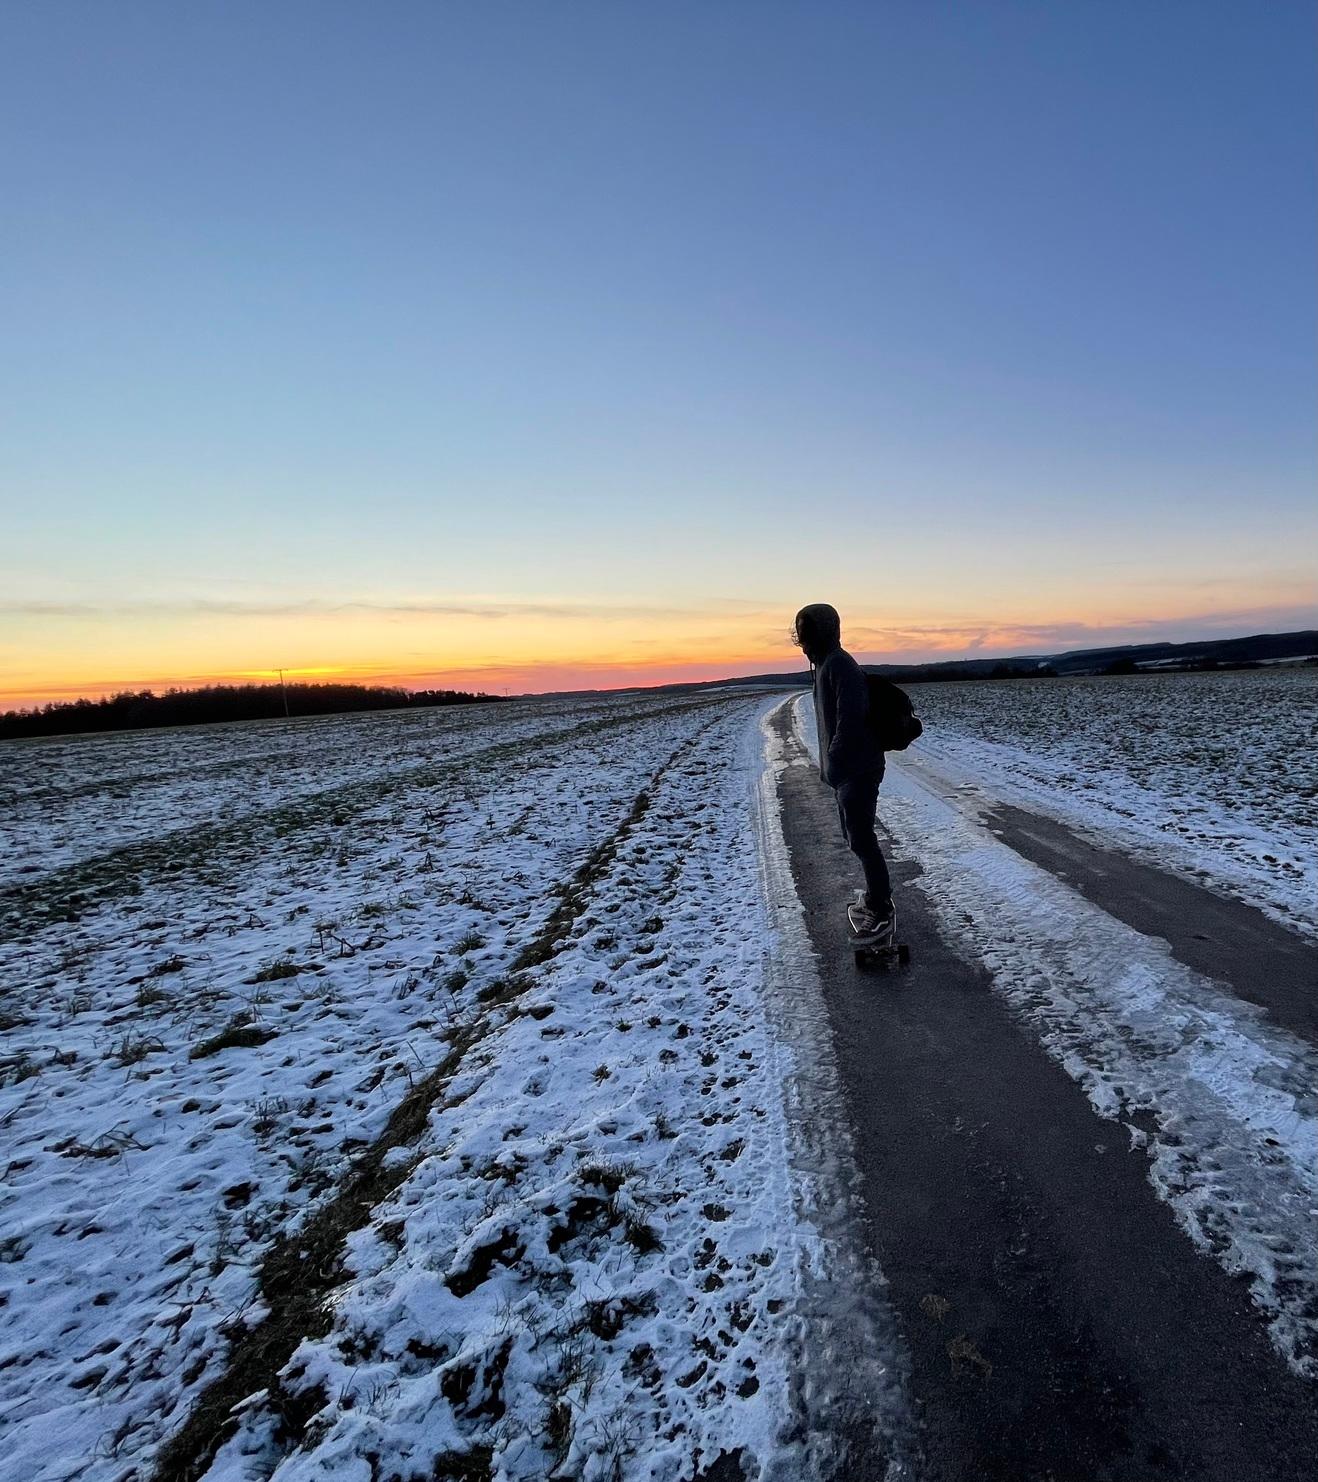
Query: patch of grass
{"points": [[558, 1427], [640, 1235], [174, 964], [20, 1067], [133, 1048], [266, 1116], [476, 1465], [235, 1037], [112, 1144], [470, 941], [148, 995], [273, 972], [609, 1176]]}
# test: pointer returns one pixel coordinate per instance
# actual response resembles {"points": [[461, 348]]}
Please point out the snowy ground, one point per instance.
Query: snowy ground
{"points": [[75, 798], [515, 964], [1211, 775], [453, 1088], [1224, 1102]]}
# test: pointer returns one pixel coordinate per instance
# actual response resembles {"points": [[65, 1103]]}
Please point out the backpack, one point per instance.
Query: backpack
{"points": [[892, 719]]}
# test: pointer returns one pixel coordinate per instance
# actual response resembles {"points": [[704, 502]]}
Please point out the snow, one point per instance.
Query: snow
{"points": [[603, 1246]]}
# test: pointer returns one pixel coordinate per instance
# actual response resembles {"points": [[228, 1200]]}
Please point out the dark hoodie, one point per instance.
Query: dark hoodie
{"points": [[847, 749]]}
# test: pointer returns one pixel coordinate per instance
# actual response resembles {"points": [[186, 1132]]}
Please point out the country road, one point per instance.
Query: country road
{"points": [[1061, 1322]]}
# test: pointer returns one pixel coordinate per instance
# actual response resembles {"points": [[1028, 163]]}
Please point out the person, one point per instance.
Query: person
{"points": [[850, 760]]}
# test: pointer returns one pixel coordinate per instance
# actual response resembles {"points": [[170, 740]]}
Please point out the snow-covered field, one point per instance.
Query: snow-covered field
{"points": [[81, 797], [1212, 775], [449, 1095], [485, 994]]}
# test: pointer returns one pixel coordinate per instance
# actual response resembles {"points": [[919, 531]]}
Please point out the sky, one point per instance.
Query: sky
{"points": [[530, 346]]}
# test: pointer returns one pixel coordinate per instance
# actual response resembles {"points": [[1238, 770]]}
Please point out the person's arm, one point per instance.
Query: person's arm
{"points": [[850, 709]]}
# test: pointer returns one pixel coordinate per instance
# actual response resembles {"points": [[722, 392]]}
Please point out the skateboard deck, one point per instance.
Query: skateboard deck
{"points": [[874, 954]]}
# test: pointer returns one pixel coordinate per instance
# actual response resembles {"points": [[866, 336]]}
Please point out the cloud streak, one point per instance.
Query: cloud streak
{"points": [[318, 607], [949, 639]]}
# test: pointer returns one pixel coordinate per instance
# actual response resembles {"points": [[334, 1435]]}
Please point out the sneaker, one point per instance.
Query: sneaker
{"points": [[886, 927], [873, 926]]}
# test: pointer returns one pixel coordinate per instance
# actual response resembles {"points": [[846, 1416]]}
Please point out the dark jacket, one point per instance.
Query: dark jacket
{"points": [[847, 747]]}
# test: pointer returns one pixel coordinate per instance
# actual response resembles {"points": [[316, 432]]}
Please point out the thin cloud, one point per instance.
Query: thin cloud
{"points": [[315, 607], [951, 640]]}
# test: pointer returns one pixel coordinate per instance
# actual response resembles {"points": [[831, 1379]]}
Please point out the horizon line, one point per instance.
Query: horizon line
{"points": [[697, 672]]}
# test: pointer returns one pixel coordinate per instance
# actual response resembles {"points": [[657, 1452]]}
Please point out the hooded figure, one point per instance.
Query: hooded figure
{"points": [[850, 758]]}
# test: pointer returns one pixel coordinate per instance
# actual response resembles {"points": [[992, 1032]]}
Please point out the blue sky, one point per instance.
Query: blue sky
{"points": [[624, 329]]}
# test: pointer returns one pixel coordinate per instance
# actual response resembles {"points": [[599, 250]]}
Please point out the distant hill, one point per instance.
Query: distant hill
{"points": [[1137, 658], [1261, 648]]}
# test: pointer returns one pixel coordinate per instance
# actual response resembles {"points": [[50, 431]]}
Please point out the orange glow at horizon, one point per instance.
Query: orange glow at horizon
{"points": [[525, 643], [577, 650], [542, 677]]}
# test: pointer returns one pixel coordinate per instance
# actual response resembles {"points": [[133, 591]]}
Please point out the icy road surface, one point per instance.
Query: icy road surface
{"points": [[1224, 1102]]}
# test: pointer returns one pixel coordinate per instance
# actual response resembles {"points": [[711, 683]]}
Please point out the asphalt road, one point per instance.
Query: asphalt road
{"points": [[1061, 1327]]}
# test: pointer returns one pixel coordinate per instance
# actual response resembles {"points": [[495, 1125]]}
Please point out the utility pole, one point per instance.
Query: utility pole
{"points": [[284, 688]]}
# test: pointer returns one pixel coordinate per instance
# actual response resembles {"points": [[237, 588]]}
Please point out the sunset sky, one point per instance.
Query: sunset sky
{"points": [[535, 346]]}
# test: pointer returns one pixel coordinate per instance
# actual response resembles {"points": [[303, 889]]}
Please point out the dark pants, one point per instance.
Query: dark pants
{"points": [[856, 802]]}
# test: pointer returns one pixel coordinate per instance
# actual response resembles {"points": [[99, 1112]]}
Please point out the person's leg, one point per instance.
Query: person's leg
{"points": [[856, 804]]}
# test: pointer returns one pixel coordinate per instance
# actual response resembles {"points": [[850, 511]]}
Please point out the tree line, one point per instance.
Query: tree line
{"points": [[212, 704]]}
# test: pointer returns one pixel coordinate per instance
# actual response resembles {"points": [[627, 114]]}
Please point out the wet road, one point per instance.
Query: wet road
{"points": [[1061, 1326]]}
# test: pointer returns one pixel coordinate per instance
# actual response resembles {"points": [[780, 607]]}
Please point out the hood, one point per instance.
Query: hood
{"points": [[818, 630]]}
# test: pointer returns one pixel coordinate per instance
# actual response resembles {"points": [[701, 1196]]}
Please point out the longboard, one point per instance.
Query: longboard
{"points": [[890, 954]]}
